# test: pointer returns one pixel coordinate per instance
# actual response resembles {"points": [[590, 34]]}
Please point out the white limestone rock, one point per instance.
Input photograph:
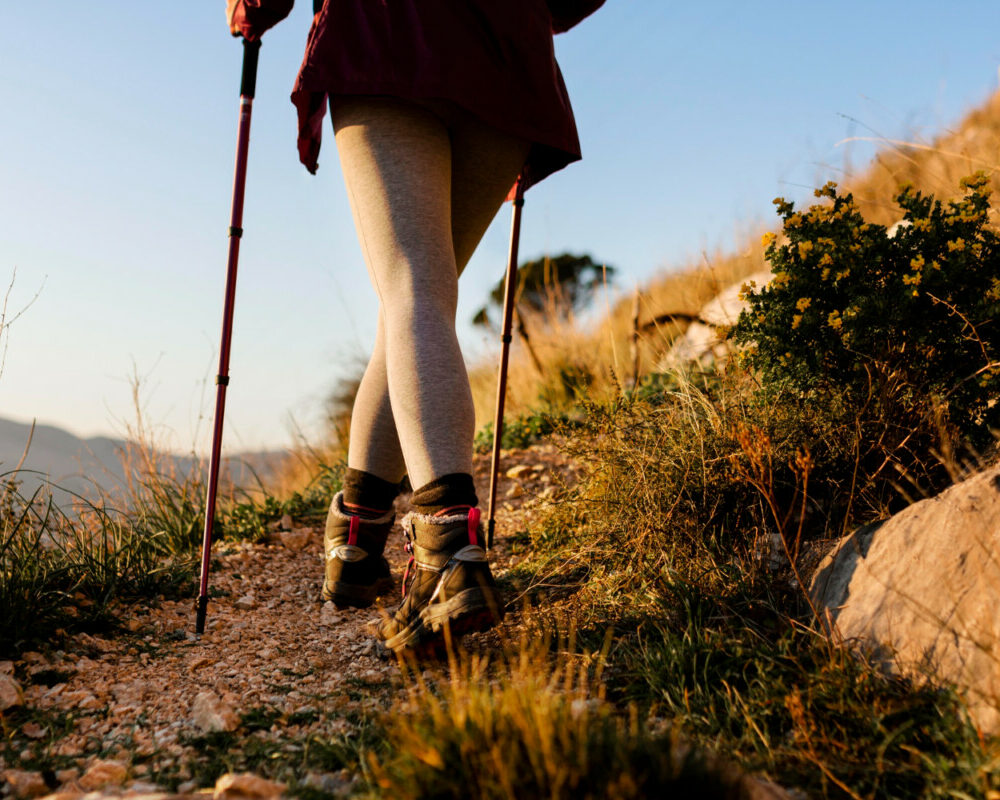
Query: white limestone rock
{"points": [[921, 592]]}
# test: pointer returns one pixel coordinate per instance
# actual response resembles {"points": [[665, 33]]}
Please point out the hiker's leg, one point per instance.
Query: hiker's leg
{"points": [[397, 162], [485, 164], [374, 446], [478, 154]]}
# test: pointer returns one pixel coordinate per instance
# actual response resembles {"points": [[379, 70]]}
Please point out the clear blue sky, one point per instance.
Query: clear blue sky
{"points": [[116, 151]]}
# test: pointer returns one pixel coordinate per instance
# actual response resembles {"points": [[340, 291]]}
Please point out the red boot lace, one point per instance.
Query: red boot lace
{"points": [[408, 547]]}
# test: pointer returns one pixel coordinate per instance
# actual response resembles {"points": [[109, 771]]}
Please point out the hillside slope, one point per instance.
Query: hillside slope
{"points": [[601, 350]]}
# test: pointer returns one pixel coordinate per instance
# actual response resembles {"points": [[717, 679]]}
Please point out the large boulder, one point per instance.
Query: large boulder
{"points": [[704, 340], [920, 592]]}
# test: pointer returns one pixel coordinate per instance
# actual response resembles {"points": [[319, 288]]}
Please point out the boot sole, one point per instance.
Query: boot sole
{"points": [[353, 595], [469, 611]]}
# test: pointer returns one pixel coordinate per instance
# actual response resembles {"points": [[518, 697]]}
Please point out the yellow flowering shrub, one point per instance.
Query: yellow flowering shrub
{"points": [[913, 317]]}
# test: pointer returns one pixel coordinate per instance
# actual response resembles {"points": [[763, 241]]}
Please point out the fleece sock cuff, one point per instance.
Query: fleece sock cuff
{"points": [[367, 492], [454, 489]]}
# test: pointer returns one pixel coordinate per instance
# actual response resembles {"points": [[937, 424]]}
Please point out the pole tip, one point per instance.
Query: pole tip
{"points": [[202, 612]]}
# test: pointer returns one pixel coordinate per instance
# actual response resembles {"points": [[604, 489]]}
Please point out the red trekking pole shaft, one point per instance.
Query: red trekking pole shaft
{"points": [[248, 83], [510, 286]]}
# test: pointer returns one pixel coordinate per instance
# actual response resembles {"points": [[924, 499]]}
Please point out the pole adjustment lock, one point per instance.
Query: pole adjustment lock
{"points": [[221, 380], [237, 232]]}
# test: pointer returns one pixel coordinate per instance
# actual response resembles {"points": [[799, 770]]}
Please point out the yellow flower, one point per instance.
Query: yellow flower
{"points": [[957, 245], [747, 290], [834, 320], [803, 303], [767, 239], [796, 321]]}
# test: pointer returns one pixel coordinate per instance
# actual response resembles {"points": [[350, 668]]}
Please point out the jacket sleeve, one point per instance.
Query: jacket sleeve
{"points": [[567, 13]]}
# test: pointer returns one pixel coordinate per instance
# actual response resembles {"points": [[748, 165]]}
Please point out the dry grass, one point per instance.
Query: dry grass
{"points": [[535, 724]]}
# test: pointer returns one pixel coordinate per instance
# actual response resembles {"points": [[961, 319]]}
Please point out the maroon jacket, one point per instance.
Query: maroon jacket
{"points": [[493, 58]]}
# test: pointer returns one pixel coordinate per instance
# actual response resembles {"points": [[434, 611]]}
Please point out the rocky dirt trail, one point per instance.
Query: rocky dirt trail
{"points": [[155, 709]]}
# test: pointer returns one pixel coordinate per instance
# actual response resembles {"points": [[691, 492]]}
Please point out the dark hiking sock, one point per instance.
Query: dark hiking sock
{"points": [[455, 489], [366, 495]]}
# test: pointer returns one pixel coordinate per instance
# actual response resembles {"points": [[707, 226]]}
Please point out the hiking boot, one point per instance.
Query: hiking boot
{"points": [[356, 571], [447, 583]]}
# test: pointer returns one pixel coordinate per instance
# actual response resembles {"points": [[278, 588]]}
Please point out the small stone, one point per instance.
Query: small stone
{"points": [[10, 692], [67, 775], [188, 787], [518, 470], [6, 667], [145, 788], [25, 784], [515, 490], [69, 749], [329, 615], [199, 663], [210, 713], [33, 730], [104, 773], [246, 602], [244, 785], [328, 783], [297, 539], [286, 522]]}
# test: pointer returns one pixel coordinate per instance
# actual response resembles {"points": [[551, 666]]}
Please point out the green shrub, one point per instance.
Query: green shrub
{"points": [[903, 327], [518, 432]]}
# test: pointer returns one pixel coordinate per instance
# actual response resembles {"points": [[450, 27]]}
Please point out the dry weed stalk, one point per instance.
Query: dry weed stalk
{"points": [[756, 468]]}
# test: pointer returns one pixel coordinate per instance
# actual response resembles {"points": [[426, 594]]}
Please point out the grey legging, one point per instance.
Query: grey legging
{"points": [[424, 183]]}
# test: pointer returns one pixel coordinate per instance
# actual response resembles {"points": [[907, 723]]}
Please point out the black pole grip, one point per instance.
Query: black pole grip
{"points": [[248, 82]]}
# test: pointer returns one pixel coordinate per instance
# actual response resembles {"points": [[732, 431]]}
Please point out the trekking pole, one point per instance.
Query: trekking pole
{"points": [[248, 83], [510, 286]]}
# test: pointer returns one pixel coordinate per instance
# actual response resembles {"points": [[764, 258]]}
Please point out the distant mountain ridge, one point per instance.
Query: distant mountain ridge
{"points": [[96, 466]]}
